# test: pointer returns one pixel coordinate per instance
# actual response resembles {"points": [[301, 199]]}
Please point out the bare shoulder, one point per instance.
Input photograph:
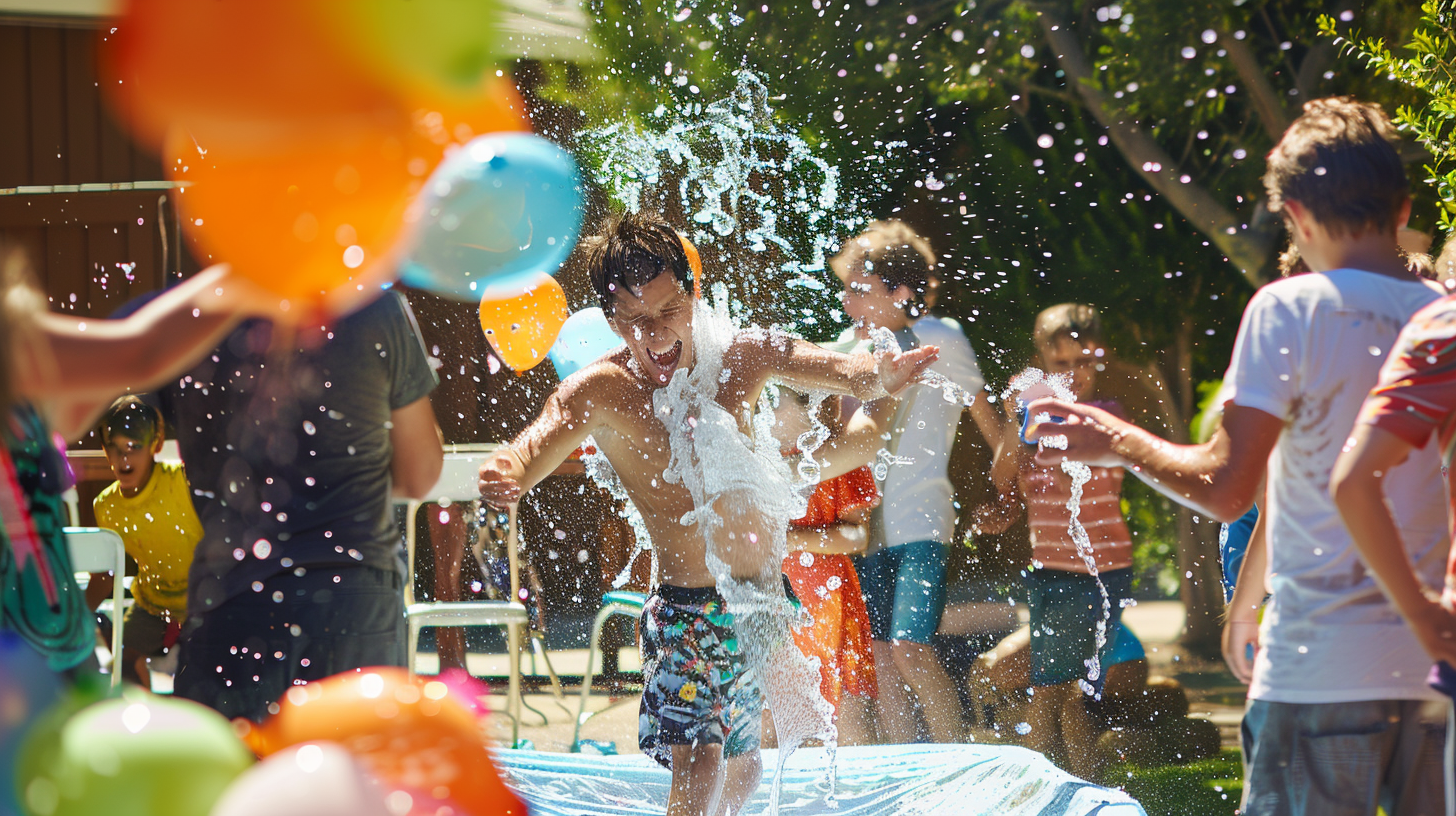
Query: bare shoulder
{"points": [[608, 384]]}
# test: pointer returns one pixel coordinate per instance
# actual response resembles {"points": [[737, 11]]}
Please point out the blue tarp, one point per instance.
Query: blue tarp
{"points": [[873, 781]]}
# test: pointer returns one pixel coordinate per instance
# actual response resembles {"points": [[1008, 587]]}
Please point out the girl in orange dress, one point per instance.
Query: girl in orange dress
{"points": [[823, 577]]}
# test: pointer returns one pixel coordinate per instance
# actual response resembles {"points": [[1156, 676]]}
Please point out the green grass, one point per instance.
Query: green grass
{"points": [[1209, 787]]}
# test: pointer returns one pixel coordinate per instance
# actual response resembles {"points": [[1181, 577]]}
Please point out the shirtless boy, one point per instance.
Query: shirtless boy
{"points": [[701, 710]]}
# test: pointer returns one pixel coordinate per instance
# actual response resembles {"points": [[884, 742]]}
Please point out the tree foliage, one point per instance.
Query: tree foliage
{"points": [[1106, 152], [1430, 70]]}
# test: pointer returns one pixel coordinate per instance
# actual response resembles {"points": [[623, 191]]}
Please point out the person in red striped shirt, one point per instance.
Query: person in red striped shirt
{"points": [[1067, 603]]}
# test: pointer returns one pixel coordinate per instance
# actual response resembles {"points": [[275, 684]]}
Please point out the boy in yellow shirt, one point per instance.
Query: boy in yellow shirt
{"points": [[150, 505]]}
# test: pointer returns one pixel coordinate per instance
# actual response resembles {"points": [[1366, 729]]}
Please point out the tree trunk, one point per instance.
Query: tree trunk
{"points": [[1199, 570], [1248, 246]]}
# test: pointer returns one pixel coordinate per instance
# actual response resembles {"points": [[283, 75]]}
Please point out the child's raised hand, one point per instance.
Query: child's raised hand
{"points": [[1091, 433], [899, 370], [500, 479]]}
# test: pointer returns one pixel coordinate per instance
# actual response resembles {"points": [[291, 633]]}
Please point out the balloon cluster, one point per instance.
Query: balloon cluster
{"points": [[370, 742], [304, 132]]}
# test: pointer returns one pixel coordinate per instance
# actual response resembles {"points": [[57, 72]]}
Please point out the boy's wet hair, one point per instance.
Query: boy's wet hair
{"points": [[1074, 321], [632, 250], [1339, 161], [133, 419], [897, 255]]}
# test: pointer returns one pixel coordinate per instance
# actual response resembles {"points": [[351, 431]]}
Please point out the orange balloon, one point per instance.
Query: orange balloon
{"points": [[522, 317], [313, 212], [224, 64], [695, 263], [313, 221], [418, 735]]}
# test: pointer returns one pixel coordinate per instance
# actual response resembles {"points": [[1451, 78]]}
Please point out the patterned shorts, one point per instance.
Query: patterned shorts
{"points": [[698, 689]]}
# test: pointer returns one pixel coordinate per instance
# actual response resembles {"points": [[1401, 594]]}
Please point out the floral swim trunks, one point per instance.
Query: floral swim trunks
{"points": [[698, 689]]}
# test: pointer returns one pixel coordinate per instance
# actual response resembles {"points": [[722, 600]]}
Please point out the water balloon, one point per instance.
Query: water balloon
{"points": [[138, 755], [28, 688], [505, 204], [313, 779], [420, 46], [585, 337], [227, 68], [521, 320], [421, 737]]}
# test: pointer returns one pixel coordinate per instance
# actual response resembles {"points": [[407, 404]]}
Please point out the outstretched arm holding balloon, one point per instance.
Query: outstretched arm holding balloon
{"points": [[76, 367]]}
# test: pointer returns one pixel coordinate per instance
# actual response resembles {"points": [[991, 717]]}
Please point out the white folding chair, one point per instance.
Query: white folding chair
{"points": [[96, 549], [459, 482]]}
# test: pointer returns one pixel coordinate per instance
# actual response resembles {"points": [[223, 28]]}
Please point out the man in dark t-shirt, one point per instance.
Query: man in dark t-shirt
{"points": [[294, 448]]}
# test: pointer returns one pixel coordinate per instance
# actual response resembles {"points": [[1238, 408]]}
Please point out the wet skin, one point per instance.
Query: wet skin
{"points": [[611, 400]]}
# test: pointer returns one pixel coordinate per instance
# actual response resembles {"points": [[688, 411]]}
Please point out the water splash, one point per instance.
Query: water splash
{"points": [[1027, 387], [761, 202], [601, 472], [744, 496], [885, 343]]}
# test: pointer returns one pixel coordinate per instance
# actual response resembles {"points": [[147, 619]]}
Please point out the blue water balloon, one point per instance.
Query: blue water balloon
{"points": [[505, 204], [28, 688], [585, 337]]}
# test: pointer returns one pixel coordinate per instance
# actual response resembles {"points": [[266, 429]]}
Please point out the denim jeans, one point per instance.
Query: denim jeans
{"points": [[243, 656], [1330, 759]]}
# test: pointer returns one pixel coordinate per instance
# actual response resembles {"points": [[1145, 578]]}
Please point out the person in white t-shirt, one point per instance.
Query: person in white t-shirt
{"points": [[888, 273], [1339, 718]]}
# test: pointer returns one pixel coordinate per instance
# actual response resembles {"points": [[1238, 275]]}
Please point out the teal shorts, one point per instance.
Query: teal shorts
{"points": [[1065, 608], [904, 590]]}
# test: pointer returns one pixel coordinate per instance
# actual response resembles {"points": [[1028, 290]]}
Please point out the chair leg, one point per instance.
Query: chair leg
{"points": [[513, 688], [538, 647], [412, 652], [586, 677], [118, 619]]}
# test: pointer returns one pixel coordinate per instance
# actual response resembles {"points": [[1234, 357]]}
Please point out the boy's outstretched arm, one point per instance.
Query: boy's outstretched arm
{"points": [[1357, 486], [566, 420], [1219, 477], [862, 375]]}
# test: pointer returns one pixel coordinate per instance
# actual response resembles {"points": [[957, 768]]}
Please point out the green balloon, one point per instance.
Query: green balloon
{"points": [[443, 44], [139, 755]]}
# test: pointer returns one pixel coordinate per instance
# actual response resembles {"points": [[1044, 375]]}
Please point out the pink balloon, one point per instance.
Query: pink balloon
{"points": [[312, 779]]}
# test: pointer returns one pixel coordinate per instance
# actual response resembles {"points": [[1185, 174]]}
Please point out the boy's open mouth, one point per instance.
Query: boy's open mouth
{"points": [[666, 362]]}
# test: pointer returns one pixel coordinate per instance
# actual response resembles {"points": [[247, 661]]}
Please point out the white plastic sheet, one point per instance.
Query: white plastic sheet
{"points": [[873, 781]]}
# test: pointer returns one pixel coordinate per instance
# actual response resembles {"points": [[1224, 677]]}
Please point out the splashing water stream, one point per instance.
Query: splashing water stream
{"points": [[1080, 474]]}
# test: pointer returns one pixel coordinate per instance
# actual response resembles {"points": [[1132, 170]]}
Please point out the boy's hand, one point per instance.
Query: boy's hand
{"points": [[1435, 628], [1240, 644], [899, 370], [500, 478], [1092, 434]]}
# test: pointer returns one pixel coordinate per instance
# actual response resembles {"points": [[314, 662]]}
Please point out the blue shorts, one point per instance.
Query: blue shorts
{"points": [[697, 686], [1065, 608], [1344, 759], [904, 590]]}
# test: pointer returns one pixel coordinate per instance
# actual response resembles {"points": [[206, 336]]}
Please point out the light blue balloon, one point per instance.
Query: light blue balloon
{"points": [[28, 688], [585, 337], [506, 204]]}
